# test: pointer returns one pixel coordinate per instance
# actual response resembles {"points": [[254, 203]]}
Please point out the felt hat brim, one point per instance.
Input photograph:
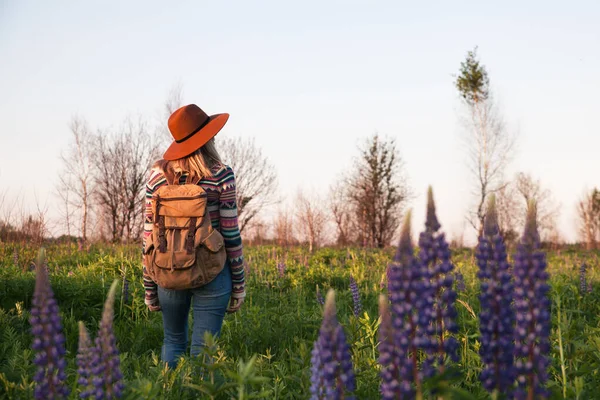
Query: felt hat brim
{"points": [[198, 139]]}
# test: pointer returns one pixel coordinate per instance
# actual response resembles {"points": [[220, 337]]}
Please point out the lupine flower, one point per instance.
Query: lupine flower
{"points": [[589, 287], [460, 281], [332, 374], [434, 256], [16, 257], [281, 269], [48, 338], [389, 357], [84, 362], [497, 315], [583, 287], [107, 377], [355, 297], [532, 329], [409, 290], [320, 298]]}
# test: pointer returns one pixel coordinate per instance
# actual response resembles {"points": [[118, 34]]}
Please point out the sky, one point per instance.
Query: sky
{"points": [[309, 81]]}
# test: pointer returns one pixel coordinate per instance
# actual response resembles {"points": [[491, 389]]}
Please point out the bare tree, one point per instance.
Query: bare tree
{"points": [[588, 211], [123, 161], [257, 233], [173, 101], [34, 226], [341, 212], [283, 227], [9, 223], [311, 218], [509, 209], [547, 210], [76, 184], [66, 211], [255, 176], [377, 191], [490, 145]]}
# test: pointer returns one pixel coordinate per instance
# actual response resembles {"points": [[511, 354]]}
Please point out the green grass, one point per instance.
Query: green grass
{"points": [[264, 350]]}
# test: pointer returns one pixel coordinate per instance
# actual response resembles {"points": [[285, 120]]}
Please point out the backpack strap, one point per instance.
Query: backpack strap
{"points": [[162, 240], [189, 240]]}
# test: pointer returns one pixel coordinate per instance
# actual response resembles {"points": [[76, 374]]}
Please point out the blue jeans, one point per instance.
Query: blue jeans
{"points": [[209, 304]]}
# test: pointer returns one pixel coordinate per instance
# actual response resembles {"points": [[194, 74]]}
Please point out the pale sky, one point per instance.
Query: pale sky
{"points": [[308, 80]]}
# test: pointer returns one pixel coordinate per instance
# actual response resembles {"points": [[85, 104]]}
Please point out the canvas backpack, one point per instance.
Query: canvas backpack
{"points": [[183, 251]]}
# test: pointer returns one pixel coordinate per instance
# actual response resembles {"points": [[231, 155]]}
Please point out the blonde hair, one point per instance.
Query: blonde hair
{"points": [[198, 165]]}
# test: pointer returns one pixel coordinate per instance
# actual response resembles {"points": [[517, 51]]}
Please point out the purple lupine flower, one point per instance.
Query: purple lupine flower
{"points": [[48, 338], [589, 287], [320, 298], [16, 257], [389, 357], [434, 255], [355, 297], [281, 269], [107, 377], [460, 281], [411, 299], [532, 305], [497, 316], [583, 287], [332, 374], [84, 362]]}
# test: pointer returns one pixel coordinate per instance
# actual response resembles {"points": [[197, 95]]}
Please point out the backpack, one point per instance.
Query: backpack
{"points": [[183, 251]]}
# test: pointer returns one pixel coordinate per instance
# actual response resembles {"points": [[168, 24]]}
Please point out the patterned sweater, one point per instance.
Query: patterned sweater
{"points": [[222, 207]]}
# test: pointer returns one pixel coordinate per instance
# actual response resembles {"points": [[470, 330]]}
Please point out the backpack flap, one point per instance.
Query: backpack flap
{"points": [[179, 201], [179, 211]]}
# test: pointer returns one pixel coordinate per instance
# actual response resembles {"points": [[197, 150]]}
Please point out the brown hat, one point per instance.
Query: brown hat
{"points": [[191, 128]]}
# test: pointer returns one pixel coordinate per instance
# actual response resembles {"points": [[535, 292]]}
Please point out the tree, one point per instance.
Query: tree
{"points": [[588, 211], [122, 163], [255, 176], [509, 209], [512, 201], [341, 212], [311, 219], [377, 191], [547, 210], [283, 227], [173, 101], [489, 143], [76, 183]]}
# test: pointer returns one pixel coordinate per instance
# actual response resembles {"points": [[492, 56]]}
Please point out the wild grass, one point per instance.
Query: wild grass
{"points": [[264, 350]]}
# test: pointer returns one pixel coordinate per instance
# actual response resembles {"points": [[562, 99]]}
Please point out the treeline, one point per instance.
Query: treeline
{"points": [[101, 186]]}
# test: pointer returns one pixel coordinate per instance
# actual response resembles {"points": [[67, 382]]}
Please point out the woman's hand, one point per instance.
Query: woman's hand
{"points": [[155, 307], [235, 302]]}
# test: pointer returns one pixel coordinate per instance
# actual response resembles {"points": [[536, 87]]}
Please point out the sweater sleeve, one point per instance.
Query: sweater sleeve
{"points": [[150, 287], [231, 232]]}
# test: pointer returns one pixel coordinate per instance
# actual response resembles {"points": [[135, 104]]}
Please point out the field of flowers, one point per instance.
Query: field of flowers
{"points": [[265, 349]]}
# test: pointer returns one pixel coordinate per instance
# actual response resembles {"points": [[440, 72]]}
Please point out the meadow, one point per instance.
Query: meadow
{"points": [[265, 349]]}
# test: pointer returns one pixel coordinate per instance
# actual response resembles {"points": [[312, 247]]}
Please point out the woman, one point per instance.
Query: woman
{"points": [[193, 154]]}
